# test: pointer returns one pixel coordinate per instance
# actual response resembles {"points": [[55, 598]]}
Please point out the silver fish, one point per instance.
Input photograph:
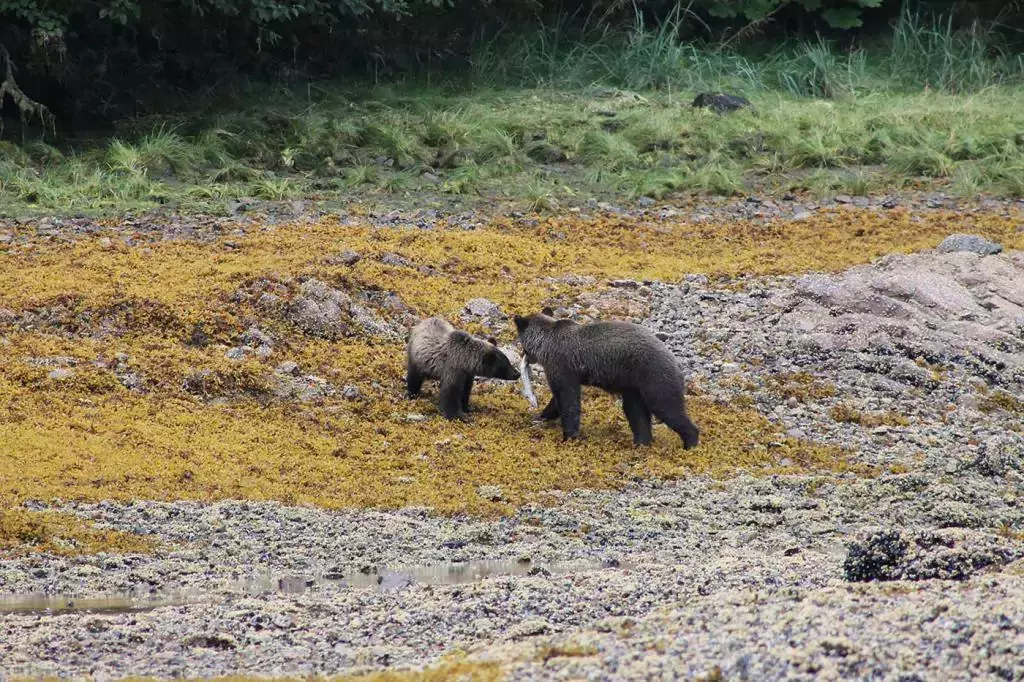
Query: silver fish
{"points": [[527, 386]]}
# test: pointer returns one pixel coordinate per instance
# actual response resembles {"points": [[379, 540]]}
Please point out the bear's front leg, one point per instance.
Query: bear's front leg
{"points": [[568, 395], [550, 412], [451, 395], [467, 388]]}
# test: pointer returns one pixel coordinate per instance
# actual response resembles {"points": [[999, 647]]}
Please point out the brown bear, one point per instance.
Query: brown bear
{"points": [[437, 350], [619, 357]]}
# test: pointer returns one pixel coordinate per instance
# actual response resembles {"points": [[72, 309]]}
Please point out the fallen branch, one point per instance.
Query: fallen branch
{"points": [[27, 107]]}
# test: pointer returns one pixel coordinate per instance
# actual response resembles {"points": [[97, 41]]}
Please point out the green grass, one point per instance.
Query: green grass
{"points": [[552, 115]]}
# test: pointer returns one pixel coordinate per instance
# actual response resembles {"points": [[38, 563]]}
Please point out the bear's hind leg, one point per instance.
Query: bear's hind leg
{"points": [[667, 404], [638, 416]]}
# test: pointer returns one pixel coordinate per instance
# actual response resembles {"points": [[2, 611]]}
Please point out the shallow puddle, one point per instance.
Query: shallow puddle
{"points": [[383, 579]]}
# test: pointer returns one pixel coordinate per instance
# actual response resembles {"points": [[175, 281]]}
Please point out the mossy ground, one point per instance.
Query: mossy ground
{"points": [[22, 530], [455, 668], [88, 437]]}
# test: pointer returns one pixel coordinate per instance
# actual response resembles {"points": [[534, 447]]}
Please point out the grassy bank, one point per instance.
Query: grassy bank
{"points": [[547, 120]]}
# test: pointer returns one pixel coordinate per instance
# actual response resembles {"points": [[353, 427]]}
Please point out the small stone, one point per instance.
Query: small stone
{"points": [[430, 177], [491, 493], [61, 373], [289, 368], [969, 242], [844, 199], [6, 238], [268, 302], [349, 257], [238, 352], [720, 102], [350, 392], [529, 628], [105, 243], [802, 215], [415, 418], [645, 202], [395, 259], [254, 336]]}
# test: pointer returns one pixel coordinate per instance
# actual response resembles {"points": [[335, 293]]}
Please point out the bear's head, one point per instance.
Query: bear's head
{"points": [[533, 330], [496, 365]]}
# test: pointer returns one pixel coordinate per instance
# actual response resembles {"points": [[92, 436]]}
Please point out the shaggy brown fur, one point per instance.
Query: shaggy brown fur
{"points": [[439, 351]]}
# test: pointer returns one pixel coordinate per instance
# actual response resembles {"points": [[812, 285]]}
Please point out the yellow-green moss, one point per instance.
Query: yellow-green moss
{"points": [[800, 386], [87, 437], [1001, 400], [568, 650], [457, 669], [850, 415], [22, 531]]}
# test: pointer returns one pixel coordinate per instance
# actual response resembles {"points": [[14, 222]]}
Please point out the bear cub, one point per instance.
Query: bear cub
{"points": [[437, 350], [619, 357]]}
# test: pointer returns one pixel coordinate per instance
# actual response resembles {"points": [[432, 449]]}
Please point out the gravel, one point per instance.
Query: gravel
{"points": [[917, 573]]}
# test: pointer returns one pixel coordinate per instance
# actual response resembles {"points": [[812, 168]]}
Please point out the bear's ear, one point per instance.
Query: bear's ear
{"points": [[548, 311], [460, 337], [493, 341], [521, 323]]}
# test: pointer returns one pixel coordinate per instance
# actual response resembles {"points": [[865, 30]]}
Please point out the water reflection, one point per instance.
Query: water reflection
{"points": [[384, 579]]}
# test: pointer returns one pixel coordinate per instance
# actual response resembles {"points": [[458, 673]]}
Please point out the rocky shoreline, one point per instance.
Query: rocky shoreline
{"points": [[915, 363]]}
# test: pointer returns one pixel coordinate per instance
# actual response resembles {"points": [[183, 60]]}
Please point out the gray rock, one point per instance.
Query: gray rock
{"points": [[893, 555], [371, 323], [1000, 454], [289, 368], [969, 242], [395, 259], [306, 388], [254, 336], [349, 257], [320, 310], [61, 373], [720, 102], [492, 493], [483, 308]]}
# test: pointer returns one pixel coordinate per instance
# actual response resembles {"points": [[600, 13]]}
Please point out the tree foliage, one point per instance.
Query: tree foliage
{"points": [[103, 57]]}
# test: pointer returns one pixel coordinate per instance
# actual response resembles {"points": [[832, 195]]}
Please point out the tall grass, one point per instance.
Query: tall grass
{"points": [[574, 105], [927, 51], [923, 50]]}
